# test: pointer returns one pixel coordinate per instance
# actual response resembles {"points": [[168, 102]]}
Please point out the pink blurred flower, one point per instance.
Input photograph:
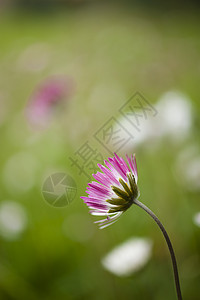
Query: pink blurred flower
{"points": [[50, 93]]}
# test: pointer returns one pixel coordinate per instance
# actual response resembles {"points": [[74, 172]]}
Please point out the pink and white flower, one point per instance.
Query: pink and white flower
{"points": [[114, 190], [50, 93]]}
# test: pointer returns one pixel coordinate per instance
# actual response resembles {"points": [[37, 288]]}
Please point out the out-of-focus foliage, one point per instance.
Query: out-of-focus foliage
{"points": [[110, 51]]}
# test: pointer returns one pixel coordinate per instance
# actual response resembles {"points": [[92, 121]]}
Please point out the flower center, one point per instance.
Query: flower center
{"points": [[125, 196]]}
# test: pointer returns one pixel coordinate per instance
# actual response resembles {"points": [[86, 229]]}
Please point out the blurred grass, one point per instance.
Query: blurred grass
{"points": [[110, 52]]}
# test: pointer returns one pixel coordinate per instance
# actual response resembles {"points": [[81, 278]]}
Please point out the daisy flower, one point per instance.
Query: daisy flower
{"points": [[46, 97], [114, 190]]}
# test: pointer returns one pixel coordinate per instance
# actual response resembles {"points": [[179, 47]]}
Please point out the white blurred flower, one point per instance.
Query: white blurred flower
{"points": [[173, 120], [148, 132], [13, 219], [129, 257], [187, 168], [175, 114], [196, 219]]}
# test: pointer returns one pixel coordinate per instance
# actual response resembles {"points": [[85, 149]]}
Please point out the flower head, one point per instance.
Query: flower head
{"points": [[114, 190], [47, 96]]}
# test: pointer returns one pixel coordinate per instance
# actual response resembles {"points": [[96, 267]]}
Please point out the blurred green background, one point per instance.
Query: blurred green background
{"points": [[110, 50]]}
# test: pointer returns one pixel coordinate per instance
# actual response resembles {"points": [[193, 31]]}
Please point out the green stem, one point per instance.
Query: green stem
{"points": [[169, 244]]}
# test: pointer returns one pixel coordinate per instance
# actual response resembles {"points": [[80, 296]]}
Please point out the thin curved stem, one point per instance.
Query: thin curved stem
{"points": [[169, 244]]}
